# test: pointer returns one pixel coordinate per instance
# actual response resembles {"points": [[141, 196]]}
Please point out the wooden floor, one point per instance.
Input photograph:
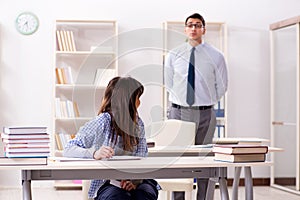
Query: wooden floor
{"points": [[260, 193]]}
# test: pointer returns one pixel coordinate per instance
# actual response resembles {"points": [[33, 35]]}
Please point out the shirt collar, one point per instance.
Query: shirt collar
{"points": [[189, 47]]}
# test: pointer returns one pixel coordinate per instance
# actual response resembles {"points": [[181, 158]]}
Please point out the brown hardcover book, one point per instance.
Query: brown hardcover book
{"points": [[240, 149], [256, 157]]}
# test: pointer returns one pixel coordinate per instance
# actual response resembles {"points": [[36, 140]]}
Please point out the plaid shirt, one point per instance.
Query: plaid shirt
{"points": [[95, 134]]}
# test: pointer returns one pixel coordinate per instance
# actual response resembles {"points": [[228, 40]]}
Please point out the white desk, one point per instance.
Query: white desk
{"points": [[171, 151], [194, 150], [151, 167]]}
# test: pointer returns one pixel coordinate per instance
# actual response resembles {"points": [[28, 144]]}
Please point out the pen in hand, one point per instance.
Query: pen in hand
{"points": [[104, 152]]}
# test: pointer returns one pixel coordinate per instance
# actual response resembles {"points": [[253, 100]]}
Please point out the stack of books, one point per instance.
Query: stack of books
{"points": [[26, 142], [240, 153]]}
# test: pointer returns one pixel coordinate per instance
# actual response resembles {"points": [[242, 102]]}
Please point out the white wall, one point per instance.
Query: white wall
{"points": [[26, 62]]}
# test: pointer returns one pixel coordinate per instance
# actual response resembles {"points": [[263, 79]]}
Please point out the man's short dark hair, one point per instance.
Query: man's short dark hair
{"points": [[196, 16]]}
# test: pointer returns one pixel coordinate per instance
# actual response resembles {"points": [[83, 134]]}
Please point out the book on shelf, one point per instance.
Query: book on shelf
{"points": [[24, 130], [62, 139], [64, 75], [67, 75], [22, 161], [103, 76], [255, 157], [64, 48], [66, 108], [240, 149], [59, 41], [72, 41], [58, 143], [76, 109], [65, 40], [68, 46], [59, 76]]}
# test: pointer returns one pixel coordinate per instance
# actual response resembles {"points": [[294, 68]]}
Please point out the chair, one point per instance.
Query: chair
{"points": [[85, 189], [174, 133], [167, 133]]}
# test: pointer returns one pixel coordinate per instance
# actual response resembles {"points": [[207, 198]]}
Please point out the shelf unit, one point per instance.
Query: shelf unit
{"points": [[216, 35], [285, 103], [85, 51]]}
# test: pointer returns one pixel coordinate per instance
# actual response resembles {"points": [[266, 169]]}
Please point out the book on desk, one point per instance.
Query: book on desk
{"points": [[257, 157], [4, 161], [240, 140], [240, 153], [240, 149], [26, 142]]}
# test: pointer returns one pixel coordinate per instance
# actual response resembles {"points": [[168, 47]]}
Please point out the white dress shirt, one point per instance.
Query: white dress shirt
{"points": [[210, 74]]}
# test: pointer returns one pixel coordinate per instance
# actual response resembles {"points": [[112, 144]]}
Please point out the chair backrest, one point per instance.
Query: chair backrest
{"points": [[172, 132]]}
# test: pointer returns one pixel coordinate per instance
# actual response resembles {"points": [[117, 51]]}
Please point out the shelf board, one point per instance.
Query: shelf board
{"points": [[84, 22], [85, 53], [83, 86], [75, 118]]}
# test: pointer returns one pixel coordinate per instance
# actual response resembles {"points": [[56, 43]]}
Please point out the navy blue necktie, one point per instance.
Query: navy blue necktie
{"points": [[190, 97]]}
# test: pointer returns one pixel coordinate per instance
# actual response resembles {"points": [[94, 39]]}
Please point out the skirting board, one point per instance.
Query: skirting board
{"points": [[265, 181]]}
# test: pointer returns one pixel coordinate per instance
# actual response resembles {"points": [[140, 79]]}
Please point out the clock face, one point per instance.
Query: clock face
{"points": [[27, 23]]}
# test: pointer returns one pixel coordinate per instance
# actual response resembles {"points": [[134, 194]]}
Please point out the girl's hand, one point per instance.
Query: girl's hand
{"points": [[104, 152], [127, 185]]}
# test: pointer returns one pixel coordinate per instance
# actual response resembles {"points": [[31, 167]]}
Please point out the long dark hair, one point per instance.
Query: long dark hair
{"points": [[120, 101]]}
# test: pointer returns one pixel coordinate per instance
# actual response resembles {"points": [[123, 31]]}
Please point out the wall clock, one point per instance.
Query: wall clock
{"points": [[27, 23]]}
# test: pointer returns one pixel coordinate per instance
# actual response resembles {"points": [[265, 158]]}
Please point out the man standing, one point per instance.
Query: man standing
{"points": [[196, 79]]}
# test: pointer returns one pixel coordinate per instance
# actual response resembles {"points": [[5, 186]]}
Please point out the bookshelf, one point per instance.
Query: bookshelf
{"points": [[285, 102], [85, 51], [216, 34]]}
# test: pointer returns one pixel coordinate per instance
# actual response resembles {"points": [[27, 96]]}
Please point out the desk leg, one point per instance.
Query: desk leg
{"points": [[236, 182], [26, 185], [223, 189], [210, 189], [248, 183]]}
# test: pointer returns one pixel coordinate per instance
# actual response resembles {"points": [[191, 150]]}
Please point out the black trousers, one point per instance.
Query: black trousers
{"points": [[205, 127], [147, 190]]}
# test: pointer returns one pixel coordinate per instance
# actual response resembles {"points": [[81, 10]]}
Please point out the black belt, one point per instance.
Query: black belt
{"points": [[191, 107]]}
